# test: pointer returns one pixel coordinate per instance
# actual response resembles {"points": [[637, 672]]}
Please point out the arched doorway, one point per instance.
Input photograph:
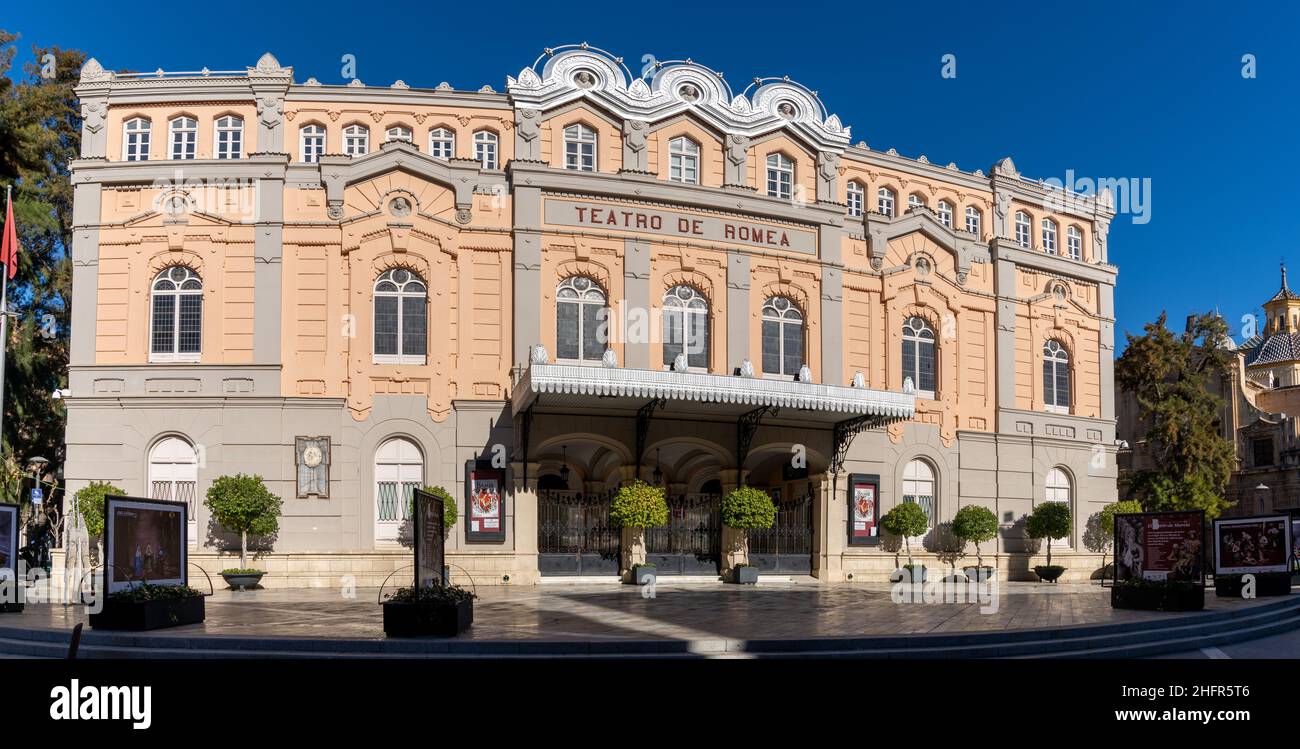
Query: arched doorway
{"points": [[399, 471], [785, 548], [174, 476]]}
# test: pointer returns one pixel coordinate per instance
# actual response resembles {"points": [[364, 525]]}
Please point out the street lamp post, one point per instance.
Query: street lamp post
{"points": [[1261, 492]]}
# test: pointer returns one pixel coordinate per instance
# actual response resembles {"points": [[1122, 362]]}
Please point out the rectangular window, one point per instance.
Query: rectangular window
{"points": [[698, 336], [386, 326], [191, 323], [793, 358], [771, 347], [673, 339], [592, 345], [1263, 450], [567, 328], [164, 323], [415, 333]]}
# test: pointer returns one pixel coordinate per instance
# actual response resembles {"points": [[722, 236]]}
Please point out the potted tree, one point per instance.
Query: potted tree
{"points": [[90, 505], [244, 505], [635, 507], [440, 610], [907, 520], [147, 606], [1049, 521], [745, 508], [976, 524]]}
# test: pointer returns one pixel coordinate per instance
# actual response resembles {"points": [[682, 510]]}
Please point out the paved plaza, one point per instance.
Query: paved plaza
{"points": [[799, 609]]}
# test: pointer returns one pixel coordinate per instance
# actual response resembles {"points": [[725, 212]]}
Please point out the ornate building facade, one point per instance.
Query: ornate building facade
{"points": [[530, 297]]}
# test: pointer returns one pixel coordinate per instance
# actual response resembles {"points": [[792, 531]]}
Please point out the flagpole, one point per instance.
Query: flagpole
{"points": [[4, 311]]}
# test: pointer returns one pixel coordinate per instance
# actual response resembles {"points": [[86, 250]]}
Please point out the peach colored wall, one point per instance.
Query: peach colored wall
{"points": [[463, 121], [805, 165], [706, 271], [161, 115], [1074, 324], [872, 178], [711, 156], [609, 137]]}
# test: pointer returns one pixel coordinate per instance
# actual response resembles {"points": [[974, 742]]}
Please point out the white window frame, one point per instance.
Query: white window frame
{"points": [[405, 294], [485, 149], [175, 355], [790, 315], [174, 476], [1057, 487], [228, 137], [136, 138], [945, 213], [684, 160], [311, 142], [1024, 229], [915, 201], [442, 143], [399, 461], [1049, 236], [886, 200], [1056, 357], [399, 133], [780, 176], [920, 338], [974, 220], [582, 287], [920, 480], [580, 144], [182, 138], [1073, 243], [356, 140], [855, 198], [688, 304]]}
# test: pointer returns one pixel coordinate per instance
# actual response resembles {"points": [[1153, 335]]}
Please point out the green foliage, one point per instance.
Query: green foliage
{"points": [[1107, 517], [90, 503], [436, 593], [1174, 378], [148, 592], [639, 505], [977, 524], [450, 514], [243, 504], [1049, 520], [239, 571], [905, 520], [746, 507]]}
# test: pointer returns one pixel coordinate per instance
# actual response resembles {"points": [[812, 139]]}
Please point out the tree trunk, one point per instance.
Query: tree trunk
{"points": [[979, 558], [907, 544], [243, 550], [1049, 551]]}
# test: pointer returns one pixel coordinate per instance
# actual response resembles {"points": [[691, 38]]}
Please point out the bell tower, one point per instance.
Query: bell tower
{"points": [[1282, 312]]}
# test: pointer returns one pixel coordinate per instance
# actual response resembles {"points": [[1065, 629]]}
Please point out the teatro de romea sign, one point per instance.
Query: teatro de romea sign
{"points": [[680, 224]]}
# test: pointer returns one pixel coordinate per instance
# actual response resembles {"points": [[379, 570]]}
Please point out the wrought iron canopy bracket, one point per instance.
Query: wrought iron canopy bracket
{"points": [[845, 431], [643, 416], [746, 426]]}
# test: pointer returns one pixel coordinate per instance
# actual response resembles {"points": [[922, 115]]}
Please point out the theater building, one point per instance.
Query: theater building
{"points": [[592, 275]]}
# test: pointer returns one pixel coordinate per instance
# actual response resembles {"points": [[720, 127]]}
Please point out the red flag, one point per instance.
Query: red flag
{"points": [[9, 246]]}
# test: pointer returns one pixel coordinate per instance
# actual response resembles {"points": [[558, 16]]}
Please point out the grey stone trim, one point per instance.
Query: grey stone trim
{"points": [[1004, 249], [636, 287], [182, 380], [894, 162], [528, 134], [1106, 346], [1065, 427], [463, 176], [880, 229], [738, 309], [361, 95], [651, 188], [268, 249], [832, 331], [636, 154], [527, 297], [94, 130], [85, 272], [1005, 284], [256, 166]]}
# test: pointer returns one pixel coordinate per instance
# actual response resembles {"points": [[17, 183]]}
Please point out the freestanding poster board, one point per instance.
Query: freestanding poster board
{"points": [[1259, 546], [429, 541], [1160, 546], [864, 509], [11, 589], [485, 501], [144, 541]]}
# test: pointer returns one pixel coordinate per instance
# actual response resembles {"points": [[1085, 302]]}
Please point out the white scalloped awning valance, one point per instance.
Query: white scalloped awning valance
{"points": [[572, 379]]}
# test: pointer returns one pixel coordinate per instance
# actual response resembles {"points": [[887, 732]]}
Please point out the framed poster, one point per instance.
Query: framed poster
{"points": [[429, 539], [1160, 546], [1295, 534], [1255, 545], [8, 544], [485, 501], [864, 509], [144, 541]]}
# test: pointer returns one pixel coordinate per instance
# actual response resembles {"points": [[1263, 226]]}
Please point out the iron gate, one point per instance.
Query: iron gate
{"points": [[574, 535], [691, 543], [786, 547]]}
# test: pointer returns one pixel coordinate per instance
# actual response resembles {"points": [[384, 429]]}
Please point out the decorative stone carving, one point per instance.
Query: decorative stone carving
{"points": [[805, 373], [464, 215], [93, 72], [680, 363], [747, 368], [908, 387], [93, 115], [270, 111], [877, 263], [635, 156], [859, 379], [539, 355], [609, 359]]}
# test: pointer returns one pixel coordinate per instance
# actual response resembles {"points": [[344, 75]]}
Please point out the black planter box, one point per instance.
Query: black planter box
{"points": [[142, 615], [979, 574], [1049, 573], [745, 575], [427, 619], [1155, 598], [11, 608], [243, 581], [1266, 584]]}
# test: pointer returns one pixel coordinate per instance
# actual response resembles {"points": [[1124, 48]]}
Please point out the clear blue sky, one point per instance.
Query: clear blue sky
{"points": [[1132, 89]]}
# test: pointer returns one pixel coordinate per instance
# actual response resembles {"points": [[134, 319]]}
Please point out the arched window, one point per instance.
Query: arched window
{"points": [[1057, 488], [684, 160], [485, 149], [399, 471], [1073, 243], [311, 143], [230, 137], [174, 475], [401, 318], [885, 201], [919, 488], [780, 176], [579, 312], [356, 140], [1049, 236], [442, 143], [135, 139], [915, 200], [398, 132], [1023, 229], [919, 355], [686, 327], [945, 213], [974, 220], [857, 198], [1056, 377], [184, 137], [176, 324], [782, 337], [580, 148]]}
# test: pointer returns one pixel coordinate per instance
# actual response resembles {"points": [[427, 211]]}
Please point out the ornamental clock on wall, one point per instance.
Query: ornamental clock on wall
{"points": [[312, 456]]}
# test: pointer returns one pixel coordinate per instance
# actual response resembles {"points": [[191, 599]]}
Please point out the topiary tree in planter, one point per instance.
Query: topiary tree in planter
{"points": [[975, 524], [90, 505], [906, 520], [1051, 521], [244, 505], [742, 509], [635, 507]]}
